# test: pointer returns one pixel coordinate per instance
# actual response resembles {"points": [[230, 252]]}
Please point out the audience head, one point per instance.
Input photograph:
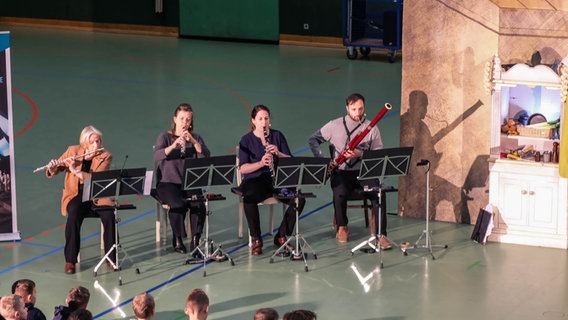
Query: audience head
{"points": [[266, 314], [78, 298], [300, 315], [81, 314], [143, 306], [12, 307], [26, 289], [197, 305]]}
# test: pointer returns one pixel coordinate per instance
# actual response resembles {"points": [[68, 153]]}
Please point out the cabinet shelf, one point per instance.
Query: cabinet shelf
{"points": [[530, 138]]}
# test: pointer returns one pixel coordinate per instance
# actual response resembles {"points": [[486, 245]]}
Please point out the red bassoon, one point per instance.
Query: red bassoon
{"points": [[358, 138]]}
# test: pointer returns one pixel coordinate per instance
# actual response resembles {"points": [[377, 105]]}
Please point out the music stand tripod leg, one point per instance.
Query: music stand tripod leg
{"points": [[116, 247], [207, 253], [299, 250], [374, 242], [426, 233]]}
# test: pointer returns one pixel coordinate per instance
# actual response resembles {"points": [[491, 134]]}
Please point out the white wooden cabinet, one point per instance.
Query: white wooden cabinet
{"points": [[529, 203], [529, 198]]}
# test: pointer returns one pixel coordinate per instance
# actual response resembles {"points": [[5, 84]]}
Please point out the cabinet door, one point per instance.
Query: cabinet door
{"points": [[513, 202], [528, 203], [543, 198]]}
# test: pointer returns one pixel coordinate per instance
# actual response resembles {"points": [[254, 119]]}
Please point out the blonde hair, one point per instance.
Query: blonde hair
{"points": [[11, 304], [143, 305], [87, 132]]}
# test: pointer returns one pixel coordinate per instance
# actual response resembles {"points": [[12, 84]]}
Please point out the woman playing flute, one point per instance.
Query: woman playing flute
{"points": [[77, 169]]}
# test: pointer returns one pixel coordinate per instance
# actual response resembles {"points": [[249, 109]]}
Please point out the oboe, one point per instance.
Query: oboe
{"points": [[266, 143], [183, 146]]}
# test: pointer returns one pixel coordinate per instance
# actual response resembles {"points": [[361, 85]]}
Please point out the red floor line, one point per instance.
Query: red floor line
{"points": [[34, 115]]}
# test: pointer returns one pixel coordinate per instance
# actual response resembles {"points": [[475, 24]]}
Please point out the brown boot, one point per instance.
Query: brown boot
{"points": [[342, 234], [69, 268], [385, 244], [256, 248]]}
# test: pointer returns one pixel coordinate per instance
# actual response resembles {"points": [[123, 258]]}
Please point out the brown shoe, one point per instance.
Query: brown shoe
{"points": [[342, 234], [279, 240], [69, 268], [256, 248], [112, 266], [385, 244]]}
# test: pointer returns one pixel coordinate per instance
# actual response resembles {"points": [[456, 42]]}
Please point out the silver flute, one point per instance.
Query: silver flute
{"points": [[266, 143]]}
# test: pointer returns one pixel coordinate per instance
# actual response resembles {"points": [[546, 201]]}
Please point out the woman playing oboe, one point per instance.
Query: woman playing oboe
{"points": [[170, 151], [259, 151], [77, 169]]}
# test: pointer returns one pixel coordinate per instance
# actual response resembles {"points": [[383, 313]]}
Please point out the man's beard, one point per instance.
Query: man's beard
{"points": [[358, 119]]}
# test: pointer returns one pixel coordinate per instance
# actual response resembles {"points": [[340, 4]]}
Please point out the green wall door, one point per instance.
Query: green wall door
{"points": [[242, 19]]}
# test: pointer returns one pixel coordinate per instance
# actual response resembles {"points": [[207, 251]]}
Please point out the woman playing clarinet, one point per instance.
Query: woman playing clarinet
{"points": [[259, 151]]}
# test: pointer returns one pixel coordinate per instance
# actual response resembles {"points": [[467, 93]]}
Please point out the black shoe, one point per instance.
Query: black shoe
{"points": [[178, 245], [195, 244]]}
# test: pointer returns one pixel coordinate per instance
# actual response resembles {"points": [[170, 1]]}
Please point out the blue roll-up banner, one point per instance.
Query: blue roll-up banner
{"points": [[8, 216]]}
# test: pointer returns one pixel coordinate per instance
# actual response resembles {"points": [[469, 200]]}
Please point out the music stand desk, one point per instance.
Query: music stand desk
{"points": [[378, 164], [202, 173], [114, 184], [297, 172]]}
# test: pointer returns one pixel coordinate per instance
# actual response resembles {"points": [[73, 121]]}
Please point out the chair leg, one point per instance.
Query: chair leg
{"points": [[241, 213], [271, 219], [163, 224], [102, 238], [188, 221], [158, 221], [366, 210]]}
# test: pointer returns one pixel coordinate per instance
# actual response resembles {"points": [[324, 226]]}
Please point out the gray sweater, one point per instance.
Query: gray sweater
{"points": [[335, 132], [170, 168]]}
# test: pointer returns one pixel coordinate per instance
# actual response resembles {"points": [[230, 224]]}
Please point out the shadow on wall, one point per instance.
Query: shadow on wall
{"points": [[415, 132]]}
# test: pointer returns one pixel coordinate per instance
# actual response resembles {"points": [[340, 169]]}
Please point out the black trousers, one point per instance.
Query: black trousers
{"points": [[173, 195], [77, 211], [345, 184], [258, 189]]}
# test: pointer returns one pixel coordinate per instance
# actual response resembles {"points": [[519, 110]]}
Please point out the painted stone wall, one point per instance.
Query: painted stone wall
{"points": [[445, 112], [523, 32]]}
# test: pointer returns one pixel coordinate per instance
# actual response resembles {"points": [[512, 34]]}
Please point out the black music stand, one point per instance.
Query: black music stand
{"points": [[202, 173], [379, 164], [112, 184], [297, 172]]}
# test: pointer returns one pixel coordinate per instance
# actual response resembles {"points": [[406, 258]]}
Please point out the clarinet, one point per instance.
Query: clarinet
{"points": [[266, 143]]}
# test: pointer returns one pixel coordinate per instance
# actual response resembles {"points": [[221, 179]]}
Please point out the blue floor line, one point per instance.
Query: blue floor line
{"points": [[30, 260], [57, 249], [198, 267]]}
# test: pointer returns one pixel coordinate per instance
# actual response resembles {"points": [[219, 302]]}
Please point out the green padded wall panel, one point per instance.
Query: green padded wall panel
{"points": [[242, 19]]}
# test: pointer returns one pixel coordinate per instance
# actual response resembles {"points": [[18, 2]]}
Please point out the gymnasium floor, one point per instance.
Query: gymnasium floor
{"points": [[128, 86]]}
